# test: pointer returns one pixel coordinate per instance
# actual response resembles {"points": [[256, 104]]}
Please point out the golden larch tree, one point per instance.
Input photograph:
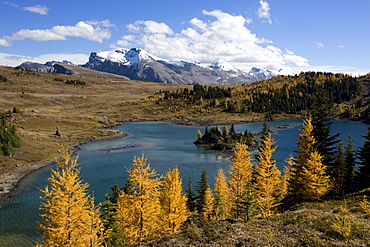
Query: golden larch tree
{"points": [[140, 211], [207, 210], [267, 179], [222, 196], [316, 182], [308, 176], [240, 171], [69, 217], [173, 201]]}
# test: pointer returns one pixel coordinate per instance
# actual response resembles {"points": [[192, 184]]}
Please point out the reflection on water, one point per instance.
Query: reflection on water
{"points": [[104, 163]]}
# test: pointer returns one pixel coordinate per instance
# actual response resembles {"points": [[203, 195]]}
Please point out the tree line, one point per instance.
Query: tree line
{"points": [[151, 205], [280, 94]]}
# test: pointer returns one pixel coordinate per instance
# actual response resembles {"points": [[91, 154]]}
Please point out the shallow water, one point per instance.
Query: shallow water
{"points": [[104, 163]]}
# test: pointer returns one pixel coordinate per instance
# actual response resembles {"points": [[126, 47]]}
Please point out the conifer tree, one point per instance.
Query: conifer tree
{"points": [[222, 197], [350, 161], [69, 217], [308, 179], [325, 143], [364, 168], [173, 201], [110, 217], [267, 179], [339, 174], [240, 171], [207, 209], [316, 182], [191, 201], [203, 185], [246, 204], [140, 212]]}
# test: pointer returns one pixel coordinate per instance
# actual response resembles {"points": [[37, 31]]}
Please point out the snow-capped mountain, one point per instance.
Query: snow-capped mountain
{"points": [[137, 64], [261, 74]]}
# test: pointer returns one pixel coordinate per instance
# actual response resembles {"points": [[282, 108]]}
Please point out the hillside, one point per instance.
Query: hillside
{"points": [[79, 106]]}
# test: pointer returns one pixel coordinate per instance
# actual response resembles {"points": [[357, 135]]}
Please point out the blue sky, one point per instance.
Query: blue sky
{"points": [[292, 35]]}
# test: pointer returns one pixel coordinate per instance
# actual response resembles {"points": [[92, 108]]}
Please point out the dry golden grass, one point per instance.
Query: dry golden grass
{"points": [[79, 111]]}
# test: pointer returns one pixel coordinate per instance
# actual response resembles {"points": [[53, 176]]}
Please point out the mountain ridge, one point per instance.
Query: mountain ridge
{"points": [[137, 64]]}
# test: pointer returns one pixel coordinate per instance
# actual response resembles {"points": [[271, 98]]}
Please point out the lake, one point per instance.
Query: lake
{"points": [[104, 164]]}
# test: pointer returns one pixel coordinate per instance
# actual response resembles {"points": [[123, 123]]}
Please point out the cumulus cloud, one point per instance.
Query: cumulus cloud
{"points": [[94, 31], [264, 12], [223, 36], [38, 9]]}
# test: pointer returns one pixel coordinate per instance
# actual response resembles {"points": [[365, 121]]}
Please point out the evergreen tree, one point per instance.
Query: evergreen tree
{"points": [[267, 179], [364, 165], [246, 204], [69, 216], [110, 217], [191, 202], [9, 139], [325, 143], [203, 185], [222, 200], [240, 171], [350, 162], [339, 175], [173, 201], [140, 212]]}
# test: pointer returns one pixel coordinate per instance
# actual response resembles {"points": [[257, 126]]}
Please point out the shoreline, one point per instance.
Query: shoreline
{"points": [[9, 182]]}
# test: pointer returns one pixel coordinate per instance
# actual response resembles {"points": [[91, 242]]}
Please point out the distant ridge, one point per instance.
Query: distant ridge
{"points": [[137, 64]]}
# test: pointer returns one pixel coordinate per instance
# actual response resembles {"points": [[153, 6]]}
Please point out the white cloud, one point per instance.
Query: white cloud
{"points": [[15, 60], [223, 36], [318, 44], [150, 27], [341, 46], [94, 31], [264, 12], [38, 9]]}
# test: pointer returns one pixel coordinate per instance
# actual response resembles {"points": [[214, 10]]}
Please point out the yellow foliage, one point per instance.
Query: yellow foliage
{"points": [[267, 179], [240, 170], [223, 209], [173, 201], [365, 206], [70, 217], [208, 204], [140, 212], [343, 222]]}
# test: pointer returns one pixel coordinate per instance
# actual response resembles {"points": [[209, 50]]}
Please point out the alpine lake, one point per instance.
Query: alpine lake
{"points": [[105, 163]]}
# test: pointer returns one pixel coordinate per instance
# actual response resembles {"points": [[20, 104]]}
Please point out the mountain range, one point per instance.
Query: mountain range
{"points": [[137, 64]]}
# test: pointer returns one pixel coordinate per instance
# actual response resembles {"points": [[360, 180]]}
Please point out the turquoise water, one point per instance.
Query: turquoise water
{"points": [[104, 163]]}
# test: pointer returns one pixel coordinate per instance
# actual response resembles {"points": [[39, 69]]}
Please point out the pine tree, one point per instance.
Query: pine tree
{"points": [[173, 201], [191, 202], [339, 173], [350, 161], [203, 185], [325, 143], [110, 217], [240, 171], [364, 168], [140, 212], [246, 204], [69, 218], [222, 197], [267, 179]]}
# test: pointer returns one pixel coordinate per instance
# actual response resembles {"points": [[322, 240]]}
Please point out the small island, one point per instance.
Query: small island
{"points": [[225, 140]]}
